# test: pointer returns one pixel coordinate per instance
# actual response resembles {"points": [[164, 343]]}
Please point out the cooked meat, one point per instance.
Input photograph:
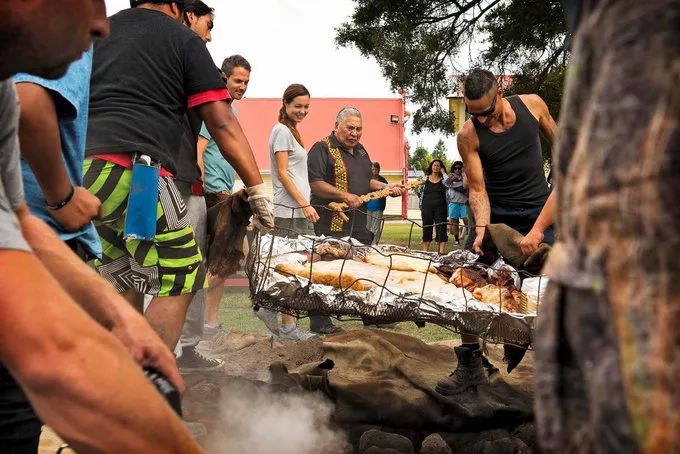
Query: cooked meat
{"points": [[468, 279], [400, 262]]}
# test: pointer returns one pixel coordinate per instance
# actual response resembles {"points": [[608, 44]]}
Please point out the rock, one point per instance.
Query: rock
{"points": [[509, 445], [376, 441], [374, 450], [434, 444], [462, 441], [527, 433]]}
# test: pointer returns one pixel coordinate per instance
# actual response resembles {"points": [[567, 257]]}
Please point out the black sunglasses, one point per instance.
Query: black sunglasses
{"points": [[487, 112]]}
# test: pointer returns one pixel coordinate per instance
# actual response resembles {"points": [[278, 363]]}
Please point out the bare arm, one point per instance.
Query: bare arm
{"points": [[41, 148], [546, 123], [533, 239], [201, 146], [97, 297], [545, 219], [478, 197], [77, 376], [227, 133], [548, 127]]}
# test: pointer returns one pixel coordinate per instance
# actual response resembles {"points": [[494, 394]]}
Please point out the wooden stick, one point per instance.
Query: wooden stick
{"points": [[379, 194]]}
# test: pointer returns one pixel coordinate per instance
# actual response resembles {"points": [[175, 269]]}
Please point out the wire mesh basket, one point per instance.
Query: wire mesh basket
{"points": [[374, 295]]}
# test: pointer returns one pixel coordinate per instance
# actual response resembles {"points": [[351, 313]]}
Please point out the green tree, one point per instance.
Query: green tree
{"points": [[439, 152], [414, 41], [419, 159]]}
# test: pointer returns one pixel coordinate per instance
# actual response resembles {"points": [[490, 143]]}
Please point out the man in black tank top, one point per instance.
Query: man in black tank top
{"points": [[501, 151]]}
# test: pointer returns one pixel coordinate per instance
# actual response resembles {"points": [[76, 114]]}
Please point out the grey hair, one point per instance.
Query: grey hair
{"points": [[347, 112]]}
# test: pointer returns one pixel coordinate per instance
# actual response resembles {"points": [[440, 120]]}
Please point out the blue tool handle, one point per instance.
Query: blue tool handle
{"points": [[140, 220]]}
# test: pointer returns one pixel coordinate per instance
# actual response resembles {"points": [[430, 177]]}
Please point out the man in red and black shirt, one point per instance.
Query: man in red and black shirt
{"points": [[145, 77]]}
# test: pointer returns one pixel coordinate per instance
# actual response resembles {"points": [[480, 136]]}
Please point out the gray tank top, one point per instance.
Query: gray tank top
{"points": [[513, 162]]}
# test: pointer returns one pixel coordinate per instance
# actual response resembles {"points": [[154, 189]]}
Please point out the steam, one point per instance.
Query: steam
{"points": [[260, 421]]}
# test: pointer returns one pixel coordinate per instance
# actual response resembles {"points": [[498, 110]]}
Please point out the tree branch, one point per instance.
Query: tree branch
{"points": [[551, 61]]}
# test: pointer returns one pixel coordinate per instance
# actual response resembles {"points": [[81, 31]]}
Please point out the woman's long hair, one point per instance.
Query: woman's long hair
{"points": [[441, 170], [292, 92]]}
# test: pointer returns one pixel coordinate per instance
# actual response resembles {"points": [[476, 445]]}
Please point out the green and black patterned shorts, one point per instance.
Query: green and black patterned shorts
{"points": [[169, 265]]}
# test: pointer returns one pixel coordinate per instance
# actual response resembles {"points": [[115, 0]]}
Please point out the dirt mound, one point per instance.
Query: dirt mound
{"points": [[253, 360]]}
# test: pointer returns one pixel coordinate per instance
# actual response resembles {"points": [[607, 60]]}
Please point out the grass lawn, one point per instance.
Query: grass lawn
{"points": [[236, 309], [236, 313], [398, 233]]}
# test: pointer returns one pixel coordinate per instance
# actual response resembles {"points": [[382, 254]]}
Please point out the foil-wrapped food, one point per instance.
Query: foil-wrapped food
{"points": [[453, 281]]}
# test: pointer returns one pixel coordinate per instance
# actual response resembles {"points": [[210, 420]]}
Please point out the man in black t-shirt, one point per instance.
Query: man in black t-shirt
{"points": [[145, 77], [199, 17]]}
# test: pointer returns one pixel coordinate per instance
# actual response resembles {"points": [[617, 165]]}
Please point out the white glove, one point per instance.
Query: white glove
{"points": [[263, 214]]}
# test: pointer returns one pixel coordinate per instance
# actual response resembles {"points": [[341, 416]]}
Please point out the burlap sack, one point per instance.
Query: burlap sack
{"points": [[506, 241], [227, 223]]}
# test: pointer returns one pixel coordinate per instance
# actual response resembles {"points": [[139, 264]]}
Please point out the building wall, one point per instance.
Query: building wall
{"points": [[383, 139]]}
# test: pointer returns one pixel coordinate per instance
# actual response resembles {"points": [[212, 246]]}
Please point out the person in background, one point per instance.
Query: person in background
{"points": [[376, 207], [68, 341], [340, 171], [456, 197], [199, 17], [218, 184], [293, 213], [433, 207]]}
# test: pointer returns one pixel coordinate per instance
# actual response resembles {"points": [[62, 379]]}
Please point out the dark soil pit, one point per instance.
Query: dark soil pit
{"points": [[380, 380]]}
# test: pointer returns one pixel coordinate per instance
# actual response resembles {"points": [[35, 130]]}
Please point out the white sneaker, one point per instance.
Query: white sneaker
{"points": [[212, 332], [210, 346], [293, 332], [270, 319]]}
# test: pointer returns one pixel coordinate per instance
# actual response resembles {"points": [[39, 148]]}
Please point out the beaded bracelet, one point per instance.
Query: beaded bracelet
{"points": [[63, 203]]}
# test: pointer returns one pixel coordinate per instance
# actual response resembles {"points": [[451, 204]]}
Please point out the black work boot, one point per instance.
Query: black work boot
{"points": [[468, 374]]}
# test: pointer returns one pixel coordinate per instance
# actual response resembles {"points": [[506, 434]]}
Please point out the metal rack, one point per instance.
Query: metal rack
{"points": [[300, 297]]}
